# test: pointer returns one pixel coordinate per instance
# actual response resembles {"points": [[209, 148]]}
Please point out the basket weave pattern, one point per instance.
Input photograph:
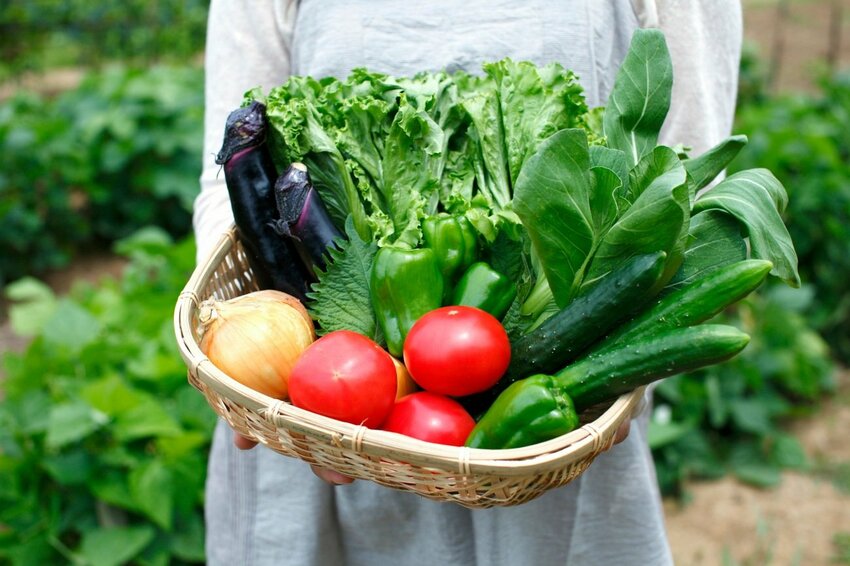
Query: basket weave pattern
{"points": [[470, 477]]}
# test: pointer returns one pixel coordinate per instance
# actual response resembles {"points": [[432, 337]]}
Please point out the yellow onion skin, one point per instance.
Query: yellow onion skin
{"points": [[256, 338]]}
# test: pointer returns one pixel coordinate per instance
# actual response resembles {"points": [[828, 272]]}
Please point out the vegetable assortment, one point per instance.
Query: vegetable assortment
{"points": [[484, 256]]}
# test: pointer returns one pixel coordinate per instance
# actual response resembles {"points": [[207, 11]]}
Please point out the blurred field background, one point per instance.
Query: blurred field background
{"points": [[103, 443]]}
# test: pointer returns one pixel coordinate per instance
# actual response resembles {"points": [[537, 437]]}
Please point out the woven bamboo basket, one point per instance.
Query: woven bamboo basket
{"points": [[473, 478]]}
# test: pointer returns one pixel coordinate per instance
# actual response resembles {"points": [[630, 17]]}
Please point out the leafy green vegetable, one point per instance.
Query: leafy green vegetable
{"points": [[491, 170], [657, 218], [552, 198], [603, 197], [640, 99], [714, 240], [344, 288], [413, 150], [756, 198], [390, 151], [615, 160], [535, 103], [706, 167]]}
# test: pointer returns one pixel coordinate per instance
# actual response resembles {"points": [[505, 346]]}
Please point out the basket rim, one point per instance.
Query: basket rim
{"points": [[583, 442]]}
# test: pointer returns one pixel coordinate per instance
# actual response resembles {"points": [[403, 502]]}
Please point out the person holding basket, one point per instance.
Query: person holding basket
{"points": [[266, 509]]}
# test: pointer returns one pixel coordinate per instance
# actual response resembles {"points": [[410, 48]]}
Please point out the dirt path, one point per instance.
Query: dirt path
{"points": [[728, 523]]}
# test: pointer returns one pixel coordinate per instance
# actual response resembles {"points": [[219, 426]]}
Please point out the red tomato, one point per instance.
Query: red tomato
{"points": [[430, 417], [346, 376], [457, 351]]}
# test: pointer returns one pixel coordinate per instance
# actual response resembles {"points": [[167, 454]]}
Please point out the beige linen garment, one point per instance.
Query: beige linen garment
{"points": [[266, 509]]}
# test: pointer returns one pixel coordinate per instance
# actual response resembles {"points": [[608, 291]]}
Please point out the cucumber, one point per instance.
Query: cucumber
{"points": [[604, 376], [694, 303], [570, 331]]}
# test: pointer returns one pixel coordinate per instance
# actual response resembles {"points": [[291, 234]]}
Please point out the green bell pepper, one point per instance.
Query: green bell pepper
{"points": [[404, 285], [483, 287], [455, 244], [531, 410]]}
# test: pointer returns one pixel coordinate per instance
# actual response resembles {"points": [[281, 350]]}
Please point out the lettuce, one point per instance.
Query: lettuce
{"points": [[389, 151]]}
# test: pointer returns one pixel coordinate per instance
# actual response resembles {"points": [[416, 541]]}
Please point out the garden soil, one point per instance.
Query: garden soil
{"points": [[796, 523], [798, 39]]}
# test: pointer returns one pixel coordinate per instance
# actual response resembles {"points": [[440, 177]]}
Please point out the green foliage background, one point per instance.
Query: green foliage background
{"points": [[96, 163], [805, 141], [103, 443], [41, 34]]}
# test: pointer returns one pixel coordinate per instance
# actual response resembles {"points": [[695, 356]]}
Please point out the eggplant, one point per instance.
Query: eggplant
{"points": [[249, 174], [303, 218]]}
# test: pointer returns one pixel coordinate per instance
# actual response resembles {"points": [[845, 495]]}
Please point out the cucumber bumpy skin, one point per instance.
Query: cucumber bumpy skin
{"points": [[694, 303], [567, 333], [606, 375]]}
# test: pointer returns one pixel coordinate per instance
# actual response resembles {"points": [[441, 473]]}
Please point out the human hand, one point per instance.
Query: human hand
{"points": [[330, 476], [242, 442], [623, 431]]}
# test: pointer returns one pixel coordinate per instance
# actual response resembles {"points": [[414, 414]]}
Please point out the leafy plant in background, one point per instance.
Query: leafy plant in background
{"points": [[805, 141], [752, 76], [139, 138], [97, 163], [729, 418], [102, 441], [49, 33], [38, 225]]}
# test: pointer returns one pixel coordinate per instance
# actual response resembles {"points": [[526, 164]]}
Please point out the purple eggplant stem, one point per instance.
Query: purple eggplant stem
{"points": [[303, 217], [245, 128]]}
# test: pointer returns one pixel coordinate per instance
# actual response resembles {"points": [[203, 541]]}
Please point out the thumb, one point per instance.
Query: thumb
{"points": [[242, 442]]}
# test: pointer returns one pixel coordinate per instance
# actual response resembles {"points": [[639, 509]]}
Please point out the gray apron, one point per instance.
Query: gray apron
{"points": [[266, 509]]}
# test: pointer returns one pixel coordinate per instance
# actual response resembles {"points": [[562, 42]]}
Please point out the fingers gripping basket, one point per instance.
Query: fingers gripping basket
{"points": [[471, 477]]}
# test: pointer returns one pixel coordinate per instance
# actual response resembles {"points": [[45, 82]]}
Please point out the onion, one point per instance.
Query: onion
{"points": [[256, 338]]}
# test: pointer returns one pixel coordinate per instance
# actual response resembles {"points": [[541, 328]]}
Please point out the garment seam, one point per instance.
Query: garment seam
{"points": [[571, 535], [591, 31], [248, 551]]}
